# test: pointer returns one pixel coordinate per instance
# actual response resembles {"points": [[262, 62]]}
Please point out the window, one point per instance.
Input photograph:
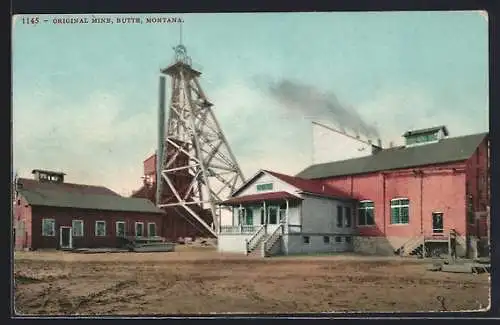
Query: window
{"points": [[306, 239], [264, 187], [338, 239], [152, 229], [120, 229], [348, 239], [400, 211], [339, 217], [48, 227], [77, 226], [249, 216], [421, 138], [100, 228], [326, 239], [348, 217], [139, 229], [366, 213]]}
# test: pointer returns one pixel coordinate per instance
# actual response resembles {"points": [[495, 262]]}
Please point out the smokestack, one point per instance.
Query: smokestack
{"points": [[391, 144], [161, 137], [379, 143]]}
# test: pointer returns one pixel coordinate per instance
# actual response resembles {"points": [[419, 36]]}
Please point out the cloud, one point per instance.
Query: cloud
{"points": [[92, 142], [398, 109], [99, 141]]}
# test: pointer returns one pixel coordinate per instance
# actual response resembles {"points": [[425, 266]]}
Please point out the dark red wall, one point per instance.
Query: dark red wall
{"points": [[478, 186], [64, 217]]}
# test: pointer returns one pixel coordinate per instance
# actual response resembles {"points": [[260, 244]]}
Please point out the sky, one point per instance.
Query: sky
{"points": [[85, 96]]}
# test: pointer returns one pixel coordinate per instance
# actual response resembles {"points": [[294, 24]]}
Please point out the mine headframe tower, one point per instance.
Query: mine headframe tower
{"points": [[196, 166]]}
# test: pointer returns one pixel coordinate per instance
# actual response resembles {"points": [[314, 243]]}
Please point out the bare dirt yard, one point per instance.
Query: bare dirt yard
{"points": [[197, 280]]}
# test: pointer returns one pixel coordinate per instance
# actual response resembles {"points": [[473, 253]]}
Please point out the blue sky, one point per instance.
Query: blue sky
{"points": [[85, 95]]}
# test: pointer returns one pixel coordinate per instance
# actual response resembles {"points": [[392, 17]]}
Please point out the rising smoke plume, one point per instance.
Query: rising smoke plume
{"points": [[311, 102]]}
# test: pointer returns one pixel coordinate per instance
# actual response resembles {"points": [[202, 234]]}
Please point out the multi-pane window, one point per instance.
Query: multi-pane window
{"points": [[264, 187], [139, 229], [326, 239], [305, 239], [421, 138], [100, 228], [348, 217], [339, 216], [366, 213], [400, 211], [48, 227], [77, 226], [152, 229], [249, 216], [120, 229]]}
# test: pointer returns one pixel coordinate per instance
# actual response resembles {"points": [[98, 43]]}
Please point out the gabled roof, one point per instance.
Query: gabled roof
{"points": [[444, 151], [427, 130], [80, 200], [303, 185], [268, 196], [311, 186], [31, 184]]}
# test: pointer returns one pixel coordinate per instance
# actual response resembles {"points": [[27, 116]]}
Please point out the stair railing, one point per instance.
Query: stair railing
{"points": [[411, 244], [271, 240], [252, 242]]}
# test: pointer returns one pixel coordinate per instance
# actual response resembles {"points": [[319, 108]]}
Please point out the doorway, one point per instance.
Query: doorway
{"points": [[65, 238], [437, 223], [273, 215]]}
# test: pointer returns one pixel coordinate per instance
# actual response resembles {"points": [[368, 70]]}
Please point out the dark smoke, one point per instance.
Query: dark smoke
{"points": [[311, 102]]}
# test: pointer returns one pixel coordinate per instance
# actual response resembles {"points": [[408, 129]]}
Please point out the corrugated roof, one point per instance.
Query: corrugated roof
{"points": [[69, 199], [31, 184], [446, 150], [270, 196]]}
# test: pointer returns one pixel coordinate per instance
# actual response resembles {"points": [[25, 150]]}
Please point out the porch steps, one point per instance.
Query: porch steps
{"points": [[257, 251]]}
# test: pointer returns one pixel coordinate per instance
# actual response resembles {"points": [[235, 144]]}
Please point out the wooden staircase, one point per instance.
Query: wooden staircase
{"points": [[257, 250]]}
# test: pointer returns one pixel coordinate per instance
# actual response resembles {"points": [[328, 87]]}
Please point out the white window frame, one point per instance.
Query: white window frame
{"points": [[152, 223], [365, 209], [73, 222], [399, 206], [95, 230], [53, 220], [264, 183], [124, 228], [135, 228]]}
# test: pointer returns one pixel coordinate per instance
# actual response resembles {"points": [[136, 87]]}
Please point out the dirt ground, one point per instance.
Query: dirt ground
{"points": [[193, 281]]}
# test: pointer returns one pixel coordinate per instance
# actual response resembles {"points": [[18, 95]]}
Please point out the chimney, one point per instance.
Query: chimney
{"points": [[379, 143], [391, 144]]}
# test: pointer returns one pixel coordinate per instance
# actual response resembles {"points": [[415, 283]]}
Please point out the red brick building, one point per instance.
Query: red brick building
{"points": [[422, 190], [49, 213]]}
